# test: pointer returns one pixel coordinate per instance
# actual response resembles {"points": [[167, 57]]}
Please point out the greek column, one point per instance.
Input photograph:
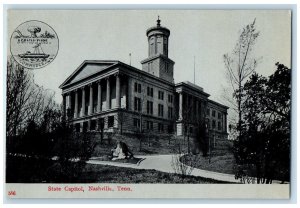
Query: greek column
{"points": [[83, 102], [118, 91], [76, 104], [107, 93], [90, 110], [99, 98]]}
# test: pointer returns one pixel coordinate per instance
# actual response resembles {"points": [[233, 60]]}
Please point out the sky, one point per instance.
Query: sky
{"points": [[205, 34]]}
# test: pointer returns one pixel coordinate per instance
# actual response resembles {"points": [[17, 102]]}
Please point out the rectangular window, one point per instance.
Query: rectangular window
{"points": [[219, 116], [160, 127], [170, 129], [101, 123], [149, 107], [160, 95], [170, 98], [111, 120], [208, 112], [137, 87], [137, 104], [136, 122], [214, 113], [213, 124], [170, 112], [160, 110], [149, 125], [93, 125], [150, 91], [219, 125]]}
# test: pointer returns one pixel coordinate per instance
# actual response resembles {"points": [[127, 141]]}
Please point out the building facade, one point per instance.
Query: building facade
{"points": [[112, 95]]}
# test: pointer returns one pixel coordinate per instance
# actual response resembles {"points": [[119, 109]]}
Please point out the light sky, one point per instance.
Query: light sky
{"points": [[205, 34]]}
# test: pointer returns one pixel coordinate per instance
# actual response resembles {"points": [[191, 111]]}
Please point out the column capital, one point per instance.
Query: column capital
{"points": [[107, 78], [90, 84], [99, 81], [82, 87]]}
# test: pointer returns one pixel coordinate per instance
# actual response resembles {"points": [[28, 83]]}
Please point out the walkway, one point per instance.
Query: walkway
{"points": [[164, 163]]}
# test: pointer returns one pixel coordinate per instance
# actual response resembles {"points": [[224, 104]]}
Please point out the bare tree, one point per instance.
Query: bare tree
{"points": [[26, 101], [240, 64]]}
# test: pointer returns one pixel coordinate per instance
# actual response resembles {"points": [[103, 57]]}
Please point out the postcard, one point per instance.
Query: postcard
{"points": [[148, 104]]}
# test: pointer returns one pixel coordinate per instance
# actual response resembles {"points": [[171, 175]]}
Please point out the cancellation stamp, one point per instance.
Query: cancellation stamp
{"points": [[34, 44]]}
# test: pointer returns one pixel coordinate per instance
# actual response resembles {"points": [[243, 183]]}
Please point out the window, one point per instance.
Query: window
{"points": [[149, 107], [191, 130], [136, 122], [170, 112], [137, 87], [93, 125], [219, 125], [170, 98], [150, 91], [137, 104], [214, 113], [160, 95], [213, 124], [101, 123], [219, 116], [149, 125], [110, 121], [170, 129], [166, 67], [160, 127], [160, 110], [208, 111]]}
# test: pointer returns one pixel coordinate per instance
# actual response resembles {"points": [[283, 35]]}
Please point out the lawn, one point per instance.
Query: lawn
{"points": [[221, 159], [20, 170]]}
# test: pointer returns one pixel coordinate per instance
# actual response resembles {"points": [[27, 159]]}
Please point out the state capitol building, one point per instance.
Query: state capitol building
{"points": [[109, 94]]}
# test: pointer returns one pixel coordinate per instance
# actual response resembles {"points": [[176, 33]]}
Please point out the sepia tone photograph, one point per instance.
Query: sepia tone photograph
{"points": [[119, 103]]}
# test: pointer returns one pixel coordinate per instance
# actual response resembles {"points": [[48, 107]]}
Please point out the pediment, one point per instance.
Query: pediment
{"points": [[87, 69]]}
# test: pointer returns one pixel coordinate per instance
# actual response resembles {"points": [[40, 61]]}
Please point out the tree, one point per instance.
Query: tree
{"points": [[240, 65], [262, 150], [26, 101]]}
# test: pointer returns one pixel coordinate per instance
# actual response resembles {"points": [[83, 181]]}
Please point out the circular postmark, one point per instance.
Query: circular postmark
{"points": [[34, 44]]}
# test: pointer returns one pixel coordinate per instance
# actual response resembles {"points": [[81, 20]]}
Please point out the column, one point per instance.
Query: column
{"points": [[107, 93], [197, 110], [64, 105], [76, 104], [69, 101], [99, 97], [118, 91], [225, 127], [90, 110], [83, 102], [180, 105]]}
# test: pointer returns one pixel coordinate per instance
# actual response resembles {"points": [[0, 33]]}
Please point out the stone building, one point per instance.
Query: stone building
{"points": [[113, 95]]}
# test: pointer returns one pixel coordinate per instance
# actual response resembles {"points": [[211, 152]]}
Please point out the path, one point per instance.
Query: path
{"points": [[163, 163]]}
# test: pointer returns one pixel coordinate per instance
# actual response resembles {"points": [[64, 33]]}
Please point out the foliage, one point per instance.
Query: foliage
{"points": [[262, 149]]}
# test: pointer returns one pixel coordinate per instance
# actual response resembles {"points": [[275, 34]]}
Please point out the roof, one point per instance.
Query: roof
{"points": [[87, 69], [92, 67], [192, 86]]}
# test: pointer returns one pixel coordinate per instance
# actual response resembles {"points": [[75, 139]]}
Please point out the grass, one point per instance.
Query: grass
{"points": [[20, 170], [221, 160]]}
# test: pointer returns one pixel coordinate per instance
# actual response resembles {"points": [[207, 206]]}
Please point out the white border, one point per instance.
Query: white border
{"points": [[155, 4]]}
